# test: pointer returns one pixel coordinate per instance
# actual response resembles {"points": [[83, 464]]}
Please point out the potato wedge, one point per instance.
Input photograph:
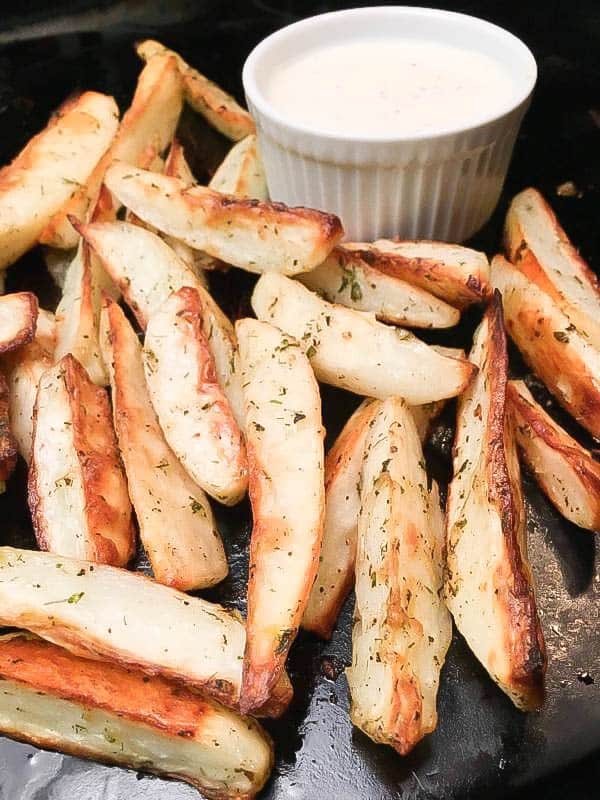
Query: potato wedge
{"points": [[566, 472], [241, 173], [78, 313], [343, 466], [191, 407], [204, 96], [18, 318], [402, 628], [50, 169], [456, 274], [176, 165], [255, 236], [536, 243], [284, 436], [147, 127], [350, 349], [488, 585], [147, 271], [8, 444], [24, 368], [345, 278], [176, 523], [76, 489], [153, 628], [551, 344], [56, 700]]}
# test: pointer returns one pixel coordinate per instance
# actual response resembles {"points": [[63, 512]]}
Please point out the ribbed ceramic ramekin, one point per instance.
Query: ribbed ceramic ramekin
{"points": [[443, 186]]}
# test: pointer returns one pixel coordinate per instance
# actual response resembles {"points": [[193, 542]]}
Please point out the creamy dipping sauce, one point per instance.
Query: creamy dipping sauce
{"points": [[389, 87]]}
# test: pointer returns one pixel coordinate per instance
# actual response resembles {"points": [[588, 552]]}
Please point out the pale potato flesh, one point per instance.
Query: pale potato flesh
{"points": [[78, 313], [54, 699], [345, 278], [402, 628], [488, 584], [566, 472], [175, 519], [536, 243], [557, 351], [191, 407], [350, 349], [77, 491], [147, 127], [284, 434], [23, 369], [253, 235], [18, 319], [241, 173], [204, 96], [147, 271]]}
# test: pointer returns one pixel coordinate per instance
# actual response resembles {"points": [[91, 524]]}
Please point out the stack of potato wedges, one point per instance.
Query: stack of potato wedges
{"points": [[137, 404]]}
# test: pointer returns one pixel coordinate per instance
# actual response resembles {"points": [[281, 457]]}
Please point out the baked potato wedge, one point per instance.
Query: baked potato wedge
{"points": [[174, 516], [565, 471], [18, 319], [146, 130], [23, 369], [204, 96], [78, 313], [51, 167], [456, 274], [57, 700], [147, 271], [343, 467], [253, 235], [241, 174], [76, 488], [350, 349], [8, 443], [345, 278], [153, 628], [555, 349], [536, 243], [402, 628], [192, 409], [488, 584], [284, 435]]}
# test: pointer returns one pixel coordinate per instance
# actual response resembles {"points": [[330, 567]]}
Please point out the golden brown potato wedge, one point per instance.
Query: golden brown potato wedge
{"points": [[241, 173], [256, 236], [566, 472], [77, 490], [24, 368], [56, 700], [343, 467], [456, 274], [176, 523], [204, 96], [192, 409], [8, 444], [488, 584], [150, 628], [147, 271], [536, 243], [51, 168], [350, 349], [345, 278], [18, 318], [402, 628], [551, 344], [145, 130], [284, 436], [78, 313], [176, 165]]}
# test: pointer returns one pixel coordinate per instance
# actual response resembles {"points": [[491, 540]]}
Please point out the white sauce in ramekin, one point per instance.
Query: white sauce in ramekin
{"points": [[389, 86]]}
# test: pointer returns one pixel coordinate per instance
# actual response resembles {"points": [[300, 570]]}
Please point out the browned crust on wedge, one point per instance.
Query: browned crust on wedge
{"points": [[8, 445], [24, 306], [524, 638]]}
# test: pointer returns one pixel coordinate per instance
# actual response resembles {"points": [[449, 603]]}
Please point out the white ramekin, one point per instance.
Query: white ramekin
{"points": [[443, 186]]}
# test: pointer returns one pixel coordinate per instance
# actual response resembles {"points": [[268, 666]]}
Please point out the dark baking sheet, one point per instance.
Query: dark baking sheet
{"points": [[482, 745]]}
